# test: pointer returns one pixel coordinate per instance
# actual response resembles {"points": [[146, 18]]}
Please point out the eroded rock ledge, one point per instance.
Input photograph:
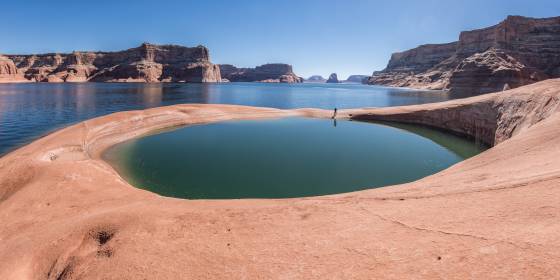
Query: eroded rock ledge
{"points": [[66, 214]]}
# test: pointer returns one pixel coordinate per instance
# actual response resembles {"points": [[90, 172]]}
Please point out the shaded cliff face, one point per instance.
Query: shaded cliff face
{"points": [[267, 73], [516, 52], [147, 63]]}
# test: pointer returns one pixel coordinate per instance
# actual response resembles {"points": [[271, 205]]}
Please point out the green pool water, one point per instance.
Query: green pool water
{"points": [[282, 158]]}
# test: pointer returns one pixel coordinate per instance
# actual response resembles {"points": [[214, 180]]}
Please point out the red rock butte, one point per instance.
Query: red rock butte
{"points": [[66, 214]]}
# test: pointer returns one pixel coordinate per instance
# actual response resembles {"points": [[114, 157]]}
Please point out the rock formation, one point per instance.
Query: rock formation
{"points": [[267, 73], [490, 71], [147, 63], [517, 51], [9, 71], [357, 79], [316, 79], [333, 78]]}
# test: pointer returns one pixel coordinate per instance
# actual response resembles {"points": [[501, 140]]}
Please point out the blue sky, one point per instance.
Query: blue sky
{"points": [[316, 37]]}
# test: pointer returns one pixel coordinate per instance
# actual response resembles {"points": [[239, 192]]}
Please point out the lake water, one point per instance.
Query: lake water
{"points": [[28, 111], [291, 157]]}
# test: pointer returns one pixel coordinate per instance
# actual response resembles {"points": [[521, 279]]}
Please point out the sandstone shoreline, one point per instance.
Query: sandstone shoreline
{"points": [[66, 214]]}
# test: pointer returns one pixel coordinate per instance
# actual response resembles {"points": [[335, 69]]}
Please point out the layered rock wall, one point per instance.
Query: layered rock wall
{"points": [[147, 63], [516, 52]]}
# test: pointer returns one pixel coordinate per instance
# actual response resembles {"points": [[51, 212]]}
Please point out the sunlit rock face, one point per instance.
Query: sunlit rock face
{"points": [[515, 52], [9, 71], [267, 73], [7, 66], [146, 63]]}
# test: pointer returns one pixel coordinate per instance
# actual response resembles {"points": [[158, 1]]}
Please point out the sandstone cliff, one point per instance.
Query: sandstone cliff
{"points": [[9, 71], [516, 52], [267, 73], [147, 63]]}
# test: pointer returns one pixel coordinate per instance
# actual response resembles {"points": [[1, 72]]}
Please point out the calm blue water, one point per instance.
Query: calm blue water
{"points": [[28, 111]]}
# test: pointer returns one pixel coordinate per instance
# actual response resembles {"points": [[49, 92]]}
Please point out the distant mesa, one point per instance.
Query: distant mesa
{"points": [[146, 63], [267, 73], [518, 51], [357, 79], [333, 78], [316, 79]]}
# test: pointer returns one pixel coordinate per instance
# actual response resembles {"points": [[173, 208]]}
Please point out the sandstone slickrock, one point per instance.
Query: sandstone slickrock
{"points": [[66, 214], [333, 79], [267, 73], [357, 79], [147, 63], [518, 51]]}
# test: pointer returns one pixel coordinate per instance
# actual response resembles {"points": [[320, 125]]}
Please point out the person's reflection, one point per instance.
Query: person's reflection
{"points": [[334, 122]]}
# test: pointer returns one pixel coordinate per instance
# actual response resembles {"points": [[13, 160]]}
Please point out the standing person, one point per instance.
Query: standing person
{"points": [[334, 115]]}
